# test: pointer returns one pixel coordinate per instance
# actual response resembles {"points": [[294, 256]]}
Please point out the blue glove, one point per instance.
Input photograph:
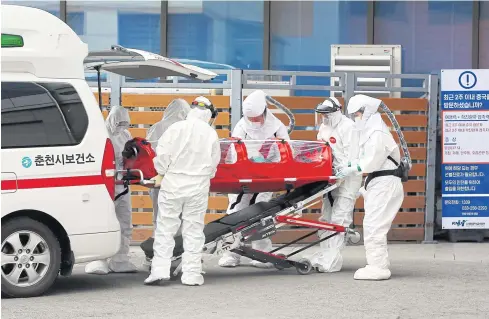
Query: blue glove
{"points": [[347, 171], [258, 159]]}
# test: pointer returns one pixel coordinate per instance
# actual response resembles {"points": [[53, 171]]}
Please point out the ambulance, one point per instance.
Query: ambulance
{"points": [[58, 164]]}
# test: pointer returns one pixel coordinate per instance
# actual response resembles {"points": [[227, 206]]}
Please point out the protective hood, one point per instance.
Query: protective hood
{"points": [[203, 99], [328, 113], [255, 105], [371, 120], [335, 118], [176, 111], [117, 121], [201, 114], [366, 104], [330, 120]]}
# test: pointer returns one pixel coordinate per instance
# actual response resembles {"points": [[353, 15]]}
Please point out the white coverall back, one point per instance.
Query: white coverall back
{"points": [[187, 155], [117, 123], [338, 135], [176, 111]]}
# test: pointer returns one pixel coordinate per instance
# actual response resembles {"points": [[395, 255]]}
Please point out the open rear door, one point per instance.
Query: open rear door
{"points": [[139, 64]]}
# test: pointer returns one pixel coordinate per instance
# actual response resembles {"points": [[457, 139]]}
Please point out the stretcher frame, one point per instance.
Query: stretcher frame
{"points": [[241, 235]]}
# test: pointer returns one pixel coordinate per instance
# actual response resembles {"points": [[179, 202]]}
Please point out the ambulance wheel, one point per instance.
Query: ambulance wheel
{"points": [[31, 258], [278, 266], [308, 268]]}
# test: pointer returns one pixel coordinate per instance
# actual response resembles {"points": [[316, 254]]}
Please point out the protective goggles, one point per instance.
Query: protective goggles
{"points": [[205, 106], [201, 104]]}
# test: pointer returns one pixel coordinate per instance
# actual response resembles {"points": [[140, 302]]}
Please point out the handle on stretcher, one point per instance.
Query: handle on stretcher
{"points": [[141, 181]]}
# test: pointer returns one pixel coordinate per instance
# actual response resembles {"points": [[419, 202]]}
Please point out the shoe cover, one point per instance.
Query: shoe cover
{"points": [[372, 273], [122, 266], [229, 260], [192, 279], [259, 264], [155, 279], [98, 267], [146, 264], [329, 260]]}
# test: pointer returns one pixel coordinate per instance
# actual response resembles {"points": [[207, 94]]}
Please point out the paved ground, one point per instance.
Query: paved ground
{"points": [[429, 281]]}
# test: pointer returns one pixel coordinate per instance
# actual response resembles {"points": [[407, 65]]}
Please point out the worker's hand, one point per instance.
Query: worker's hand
{"points": [[157, 179], [258, 159], [361, 192], [347, 171]]}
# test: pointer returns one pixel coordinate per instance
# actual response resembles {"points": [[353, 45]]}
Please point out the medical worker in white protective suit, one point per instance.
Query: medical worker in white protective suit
{"points": [[186, 160], [383, 195], [117, 123], [338, 205], [176, 111], [258, 123]]}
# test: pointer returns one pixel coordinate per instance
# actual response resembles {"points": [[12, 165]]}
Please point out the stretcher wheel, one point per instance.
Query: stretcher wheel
{"points": [[354, 238], [278, 266], [308, 265]]}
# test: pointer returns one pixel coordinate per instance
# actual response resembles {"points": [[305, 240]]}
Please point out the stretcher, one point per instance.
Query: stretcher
{"points": [[235, 232], [301, 168]]}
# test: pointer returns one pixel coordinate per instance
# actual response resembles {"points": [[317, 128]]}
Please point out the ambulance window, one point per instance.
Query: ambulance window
{"points": [[41, 115]]}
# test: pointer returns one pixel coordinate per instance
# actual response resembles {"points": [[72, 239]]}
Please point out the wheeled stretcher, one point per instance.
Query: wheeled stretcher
{"points": [[261, 220], [303, 169]]}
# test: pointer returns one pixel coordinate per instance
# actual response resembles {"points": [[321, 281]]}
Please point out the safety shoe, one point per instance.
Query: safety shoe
{"points": [[192, 279], [372, 273], [122, 267], [147, 264], [98, 267], [259, 264], [229, 261], [153, 280]]}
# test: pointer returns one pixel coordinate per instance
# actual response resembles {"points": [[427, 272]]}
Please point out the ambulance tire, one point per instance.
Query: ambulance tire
{"points": [[48, 242]]}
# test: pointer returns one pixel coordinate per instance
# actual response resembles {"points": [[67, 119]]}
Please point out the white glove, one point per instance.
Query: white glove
{"points": [[157, 179], [347, 171], [361, 192]]}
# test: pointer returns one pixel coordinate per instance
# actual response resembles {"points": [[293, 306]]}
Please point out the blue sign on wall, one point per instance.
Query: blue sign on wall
{"points": [[465, 153]]}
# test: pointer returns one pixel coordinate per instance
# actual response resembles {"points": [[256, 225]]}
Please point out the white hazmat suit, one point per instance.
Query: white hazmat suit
{"points": [[117, 123], [176, 111], [263, 125], [383, 195], [187, 156], [336, 129]]}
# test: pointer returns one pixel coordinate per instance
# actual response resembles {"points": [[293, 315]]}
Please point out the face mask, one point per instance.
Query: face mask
{"points": [[256, 124]]}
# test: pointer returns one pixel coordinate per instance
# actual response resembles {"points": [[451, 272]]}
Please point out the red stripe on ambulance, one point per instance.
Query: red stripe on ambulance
{"points": [[52, 182]]}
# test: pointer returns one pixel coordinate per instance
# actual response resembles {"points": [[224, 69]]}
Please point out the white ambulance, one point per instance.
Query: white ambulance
{"points": [[57, 161], [58, 165]]}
